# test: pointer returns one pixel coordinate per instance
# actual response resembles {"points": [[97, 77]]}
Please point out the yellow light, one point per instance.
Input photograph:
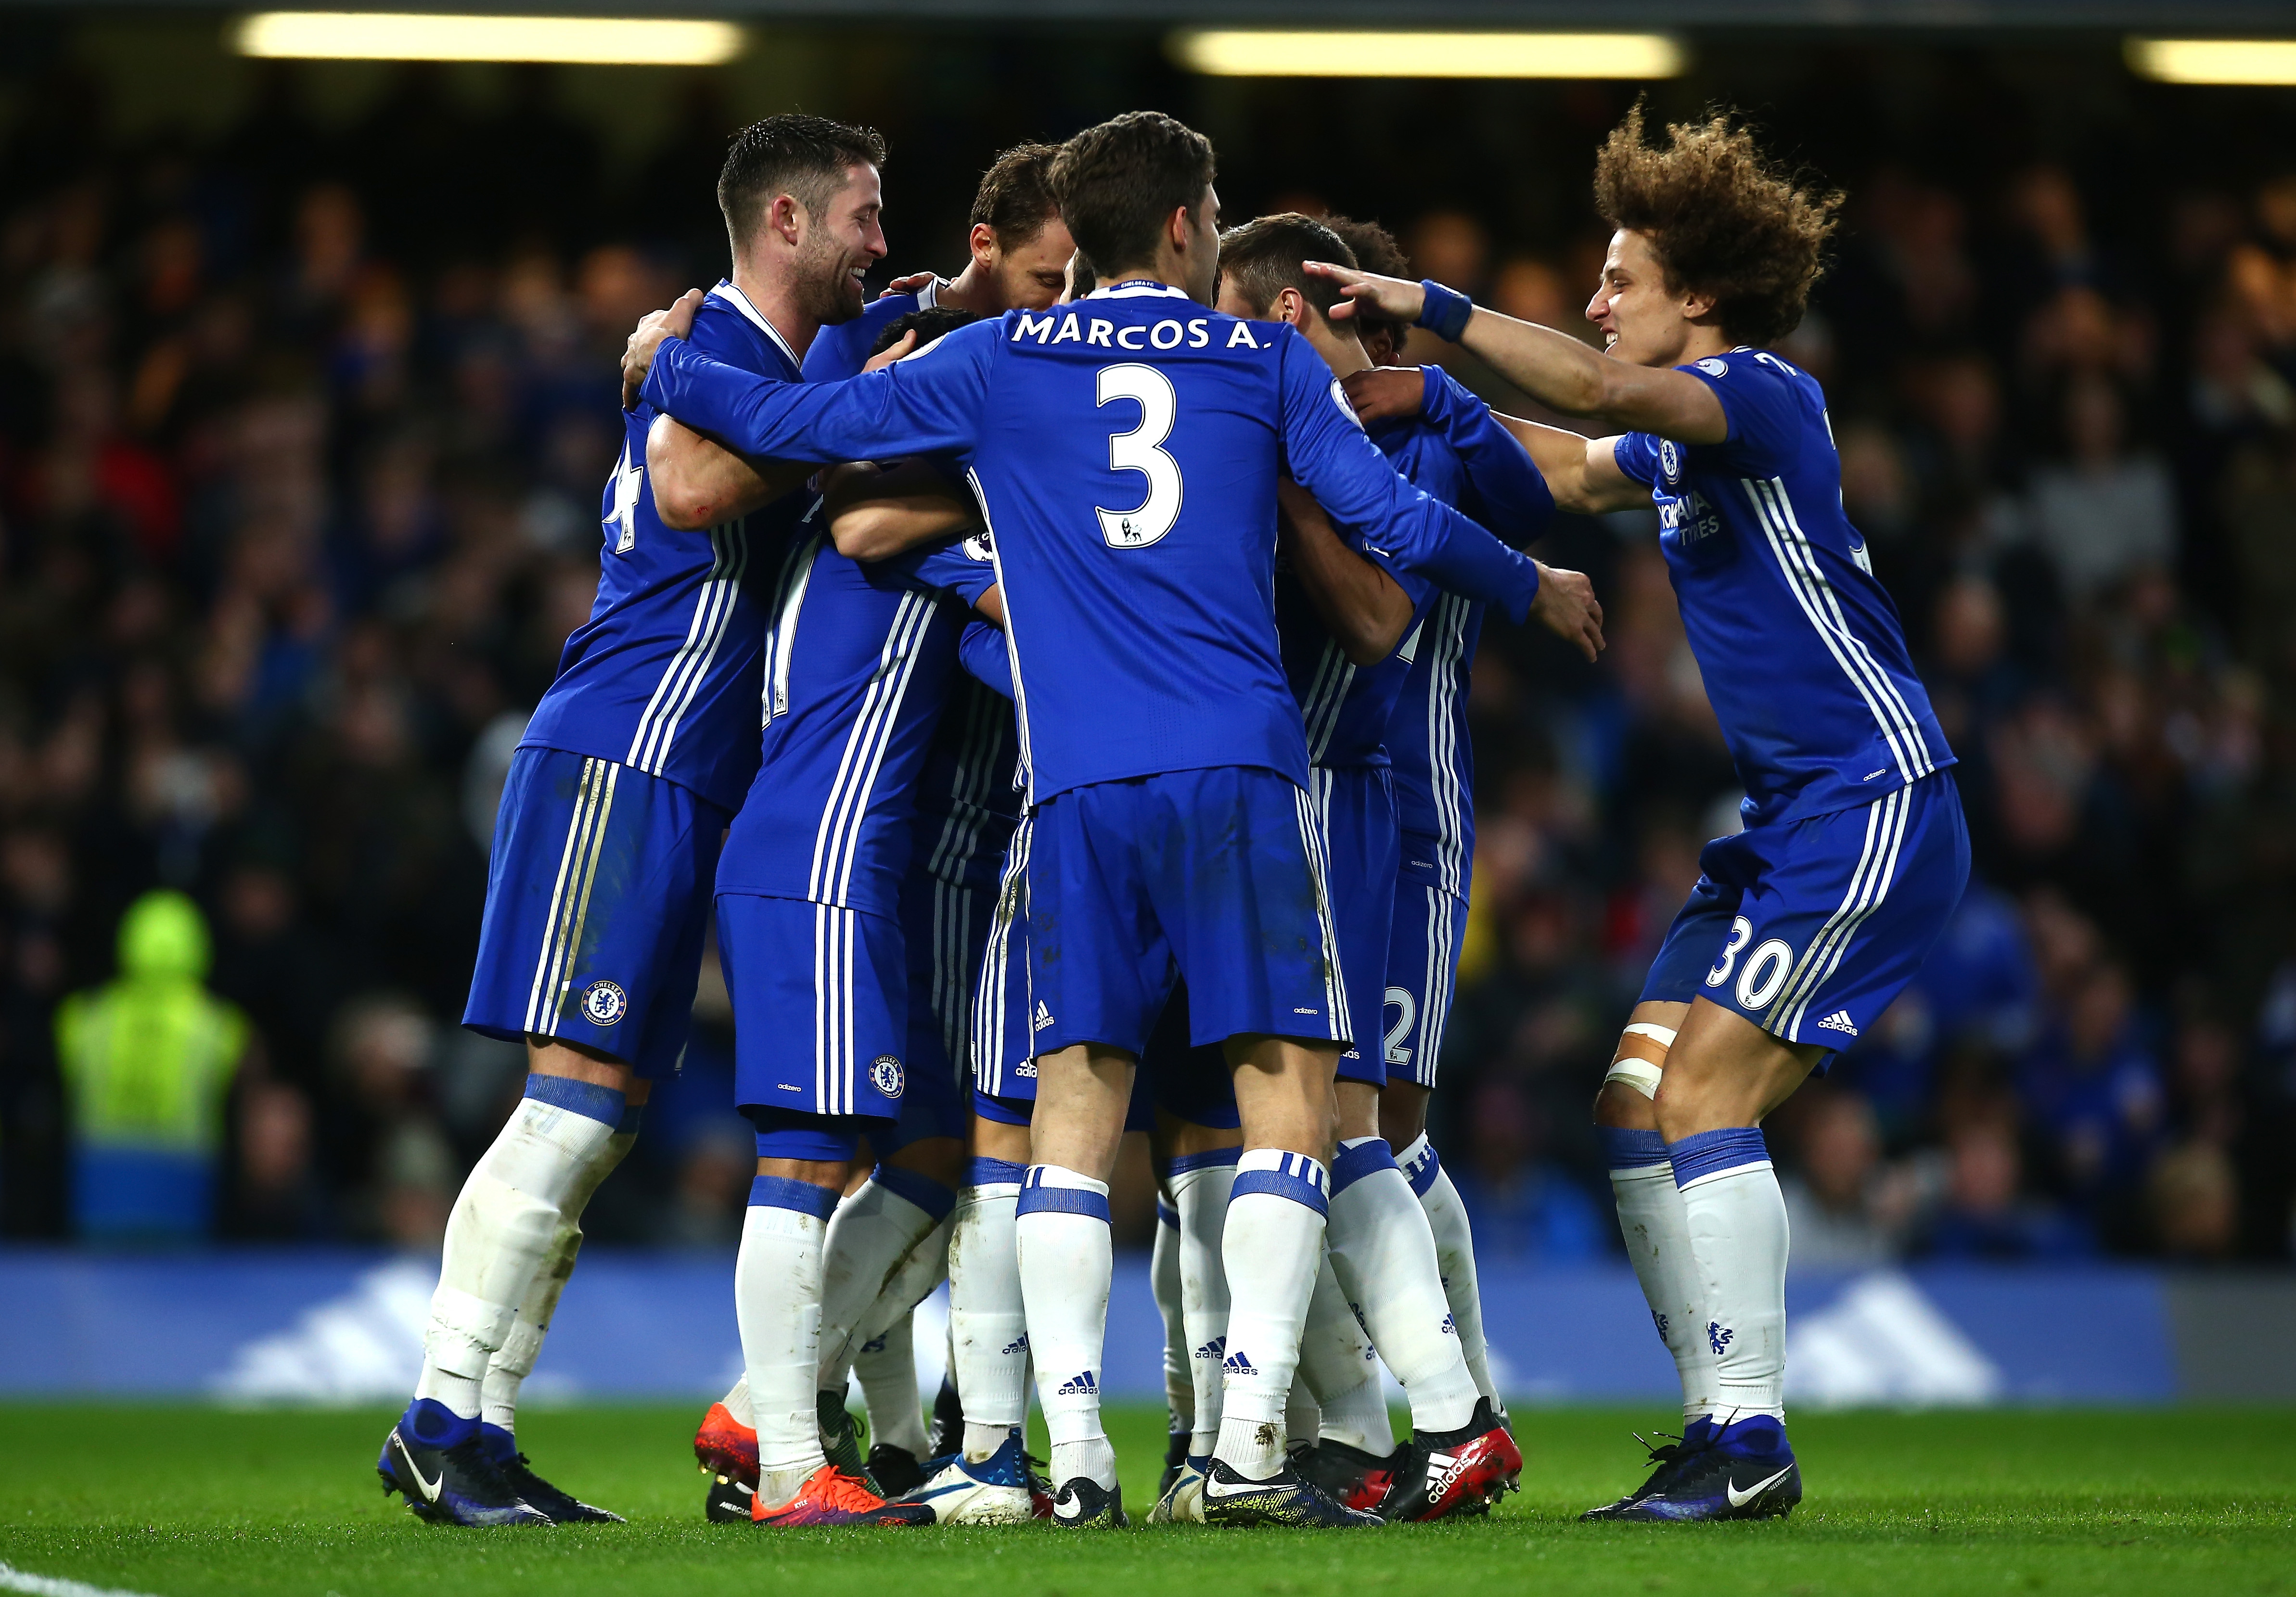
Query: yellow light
{"points": [[1244, 52], [415, 36], [2214, 61]]}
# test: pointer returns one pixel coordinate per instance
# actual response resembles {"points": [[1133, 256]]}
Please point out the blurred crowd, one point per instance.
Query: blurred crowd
{"points": [[301, 435]]}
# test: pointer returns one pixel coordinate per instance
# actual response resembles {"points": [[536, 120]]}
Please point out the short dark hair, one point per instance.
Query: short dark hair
{"points": [[804, 157], [1722, 220], [1014, 198], [1376, 251], [1117, 183], [937, 322], [1264, 257]]}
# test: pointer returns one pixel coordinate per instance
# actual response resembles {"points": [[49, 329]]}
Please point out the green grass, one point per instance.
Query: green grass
{"points": [[183, 1502]]}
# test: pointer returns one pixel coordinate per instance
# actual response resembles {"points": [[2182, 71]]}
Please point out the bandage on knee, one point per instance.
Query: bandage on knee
{"points": [[1639, 1070]]}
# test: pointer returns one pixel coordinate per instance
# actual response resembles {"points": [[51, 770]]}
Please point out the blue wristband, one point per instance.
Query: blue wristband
{"points": [[1445, 311]]}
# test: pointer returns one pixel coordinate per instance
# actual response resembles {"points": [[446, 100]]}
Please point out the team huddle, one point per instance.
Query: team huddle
{"points": [[1054, 680]]}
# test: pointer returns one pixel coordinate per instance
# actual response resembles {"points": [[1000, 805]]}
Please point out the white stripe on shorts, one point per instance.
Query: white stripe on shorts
{"points": [[570, 895]]}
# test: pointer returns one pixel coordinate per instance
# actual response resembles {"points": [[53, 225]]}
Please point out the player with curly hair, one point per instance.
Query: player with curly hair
{"points": [[1805, 924]]}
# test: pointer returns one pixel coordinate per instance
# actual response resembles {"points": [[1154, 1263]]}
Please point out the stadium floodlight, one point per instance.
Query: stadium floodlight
{"points": [[1270, 53], [416, 35], [2214, 61]]}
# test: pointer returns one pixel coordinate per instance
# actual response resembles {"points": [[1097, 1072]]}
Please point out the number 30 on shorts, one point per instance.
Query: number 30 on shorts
{"points": [[1766, 971]]}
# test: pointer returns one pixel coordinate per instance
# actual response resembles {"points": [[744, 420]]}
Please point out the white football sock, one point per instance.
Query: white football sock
{"points": [[504, 1223], [1655, 1223], [737, 1403], [777, 1300], [1164, 1281], [1737, 1225], [1454, 1256], [1272, 1247], [1303, 1419], [1341, 1372], [1060, 1235], [887, 1368], [1383, 1252], [870, 1236], [924, 1267], [1200, 1183], [513, 1361], [987, 1327]]}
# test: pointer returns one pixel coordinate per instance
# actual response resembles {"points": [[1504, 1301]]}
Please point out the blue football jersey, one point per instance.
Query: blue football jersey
{"points": [[857, 664], [841, 350], [1125, 450], [1802, 655], [1427, 740], [1347, 707], [663, 677]]}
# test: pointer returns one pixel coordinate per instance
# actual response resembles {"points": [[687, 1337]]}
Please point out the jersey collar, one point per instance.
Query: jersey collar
{"points": [[1138, 288], [726, 292]]}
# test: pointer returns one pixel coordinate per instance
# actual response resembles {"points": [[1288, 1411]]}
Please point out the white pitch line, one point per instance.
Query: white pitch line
{"points": [[12, 1579]]}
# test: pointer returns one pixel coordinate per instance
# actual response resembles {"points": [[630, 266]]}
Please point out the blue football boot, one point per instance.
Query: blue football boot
{"points": [[1747, 1471], [1667, 1460], [448, 1478], [562, 1507]]}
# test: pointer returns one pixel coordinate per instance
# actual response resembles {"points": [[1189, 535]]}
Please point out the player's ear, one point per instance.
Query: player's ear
{"points": [[787, 218], [1698, 307], [984, 243]]}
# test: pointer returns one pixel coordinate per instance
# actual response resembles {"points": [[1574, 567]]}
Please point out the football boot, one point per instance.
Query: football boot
{"points": [[996, 1490], [1668, 1458], [1348, 1475], [1284, 1498], [1441, 1473], [831, 1496], [1746, 1472], [1082, 1504], [458, 1485]]}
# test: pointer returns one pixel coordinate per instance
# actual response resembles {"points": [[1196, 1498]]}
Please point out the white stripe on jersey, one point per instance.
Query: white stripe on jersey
{"points": [[781, 637], [682, 679], [1311, 836], [740, 301], [1012, 643], [837, 842], [1450, 793], [1335, 676], [1869, 884], [989, 1017], [1798, 562], [570, 895]]}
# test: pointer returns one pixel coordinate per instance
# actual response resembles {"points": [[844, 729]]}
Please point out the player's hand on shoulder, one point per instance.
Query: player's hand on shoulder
{"points": [[907, 285], [905, 344], [637, 355], [1567, 607], [1382, 393], [1389, 296]]}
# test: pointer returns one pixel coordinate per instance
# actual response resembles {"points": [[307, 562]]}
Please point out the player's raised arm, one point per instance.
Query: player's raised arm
{"points": [[1331, 455], [875, 511], [925, 405], [1524, 470], [1551, 367]]}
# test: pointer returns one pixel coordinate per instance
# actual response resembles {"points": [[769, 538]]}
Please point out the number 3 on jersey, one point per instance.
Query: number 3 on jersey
{"points": [[1140, 450]]}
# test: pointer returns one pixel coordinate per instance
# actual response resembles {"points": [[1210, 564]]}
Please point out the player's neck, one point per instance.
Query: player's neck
{"points": [[1702, 342], [777, 301], [1172, 276], [972, 290]]}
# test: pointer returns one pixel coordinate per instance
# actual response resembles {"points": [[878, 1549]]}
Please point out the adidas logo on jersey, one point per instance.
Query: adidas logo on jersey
{"points": [[1235, 1363], [1079, 1385], [1043, 1016], [1839, 1020]]}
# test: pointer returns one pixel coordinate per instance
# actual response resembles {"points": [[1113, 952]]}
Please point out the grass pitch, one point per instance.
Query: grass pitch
{"points": [[186, 1502]]}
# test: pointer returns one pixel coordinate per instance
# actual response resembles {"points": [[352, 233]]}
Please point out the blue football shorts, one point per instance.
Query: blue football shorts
{"points": [[1212, 876], [944, 928], [1422, 971], [1364, 849], [821, 1006], [1809, 929], [598, 889], [1003, 1042]]}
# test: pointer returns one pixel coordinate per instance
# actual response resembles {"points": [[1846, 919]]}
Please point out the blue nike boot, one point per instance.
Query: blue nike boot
{"points": [[437, 1460], [1746, 1472], [1667, 1460]]}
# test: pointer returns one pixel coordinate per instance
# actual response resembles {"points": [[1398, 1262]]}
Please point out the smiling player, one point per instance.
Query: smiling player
{"points": [[1804, 925]]}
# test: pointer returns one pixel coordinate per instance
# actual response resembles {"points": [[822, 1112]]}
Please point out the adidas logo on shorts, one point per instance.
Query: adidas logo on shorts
{"points": [[1043, 1016], [1839, 1020]]}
